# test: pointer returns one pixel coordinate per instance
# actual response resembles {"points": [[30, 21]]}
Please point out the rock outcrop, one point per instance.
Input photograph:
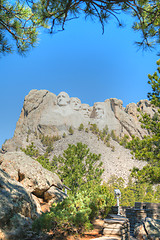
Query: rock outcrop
{"points": [[34, 178], [147, 229], [45, 113], [17, 208]]}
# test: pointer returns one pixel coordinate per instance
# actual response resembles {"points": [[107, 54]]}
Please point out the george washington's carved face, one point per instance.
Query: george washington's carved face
{"points": [[75, 103], [98, 110], [63, 99]]}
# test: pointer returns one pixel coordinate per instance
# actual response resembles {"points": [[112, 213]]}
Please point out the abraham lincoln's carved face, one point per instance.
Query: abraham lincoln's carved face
{"points": [[98, 110]]}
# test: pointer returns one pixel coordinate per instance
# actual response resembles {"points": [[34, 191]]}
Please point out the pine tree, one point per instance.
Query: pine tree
{"points": [[79, 168], [148, 148], [20, 20]]}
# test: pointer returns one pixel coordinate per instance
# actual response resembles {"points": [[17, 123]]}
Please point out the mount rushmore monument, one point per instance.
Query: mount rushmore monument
{"points": [[29, 188], [45, 113]]}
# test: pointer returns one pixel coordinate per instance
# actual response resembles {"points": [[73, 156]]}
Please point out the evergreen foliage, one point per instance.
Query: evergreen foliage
{"points": [[148, 148], [31, 150], [71, 131], [20, 20], [81, 127], [124, 140], [45, 163], [64, 135], [81, 171], [134, 191], [76, 212], [94, 129], [86, 130], [79, 168], [48, 141]]}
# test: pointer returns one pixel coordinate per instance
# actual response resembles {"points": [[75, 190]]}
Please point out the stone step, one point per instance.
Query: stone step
{"points": [[111, 231], [113, 225], [107, 238]]}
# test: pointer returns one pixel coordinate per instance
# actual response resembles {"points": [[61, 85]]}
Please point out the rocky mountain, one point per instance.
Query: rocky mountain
{"points": [[45, 113]]}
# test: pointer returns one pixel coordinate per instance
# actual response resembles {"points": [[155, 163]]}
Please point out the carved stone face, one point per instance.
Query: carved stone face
{"points": [[98, 110], [86, 110], [63, 99], [75, 103]]}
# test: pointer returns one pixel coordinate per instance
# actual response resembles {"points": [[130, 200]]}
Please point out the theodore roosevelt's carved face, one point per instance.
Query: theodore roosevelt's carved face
{"points": [[63, 99], [75, 103], [98, 110]]}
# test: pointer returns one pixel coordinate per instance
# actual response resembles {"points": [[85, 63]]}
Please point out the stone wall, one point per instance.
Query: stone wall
{"points": [[138, 212]]}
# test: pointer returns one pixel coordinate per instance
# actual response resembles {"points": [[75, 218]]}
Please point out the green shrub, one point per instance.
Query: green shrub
{"points": [[94, 129], [48, 141], [81, 127], [65, 216], [71, 131], [49, 149], [34, 153], [64, 135], [29, 132], [101, 135], [107, 138], [76, 212], [124, 140], [86, 130], [105, 130], [114, 137], [45, 163], [113, 148], [31, 150], [134, 191]]}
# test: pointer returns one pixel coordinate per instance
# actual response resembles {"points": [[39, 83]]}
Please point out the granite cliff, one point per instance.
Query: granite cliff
{"points": [[45, 113]]}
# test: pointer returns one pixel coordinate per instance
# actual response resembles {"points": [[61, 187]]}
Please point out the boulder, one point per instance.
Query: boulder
{"points": [[147, 229], [17, 208], [53, 193], [36, 179]]}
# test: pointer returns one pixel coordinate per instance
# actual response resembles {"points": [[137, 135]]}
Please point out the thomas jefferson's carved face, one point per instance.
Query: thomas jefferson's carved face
{"points": [[75, 103], [63, 99], [98, 109]]}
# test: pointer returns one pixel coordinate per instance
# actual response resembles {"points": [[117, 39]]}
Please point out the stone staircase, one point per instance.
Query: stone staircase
{"points": [[117, 227]]}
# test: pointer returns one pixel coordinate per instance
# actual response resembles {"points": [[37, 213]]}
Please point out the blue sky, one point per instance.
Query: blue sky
{"points": [[80, 61]]}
